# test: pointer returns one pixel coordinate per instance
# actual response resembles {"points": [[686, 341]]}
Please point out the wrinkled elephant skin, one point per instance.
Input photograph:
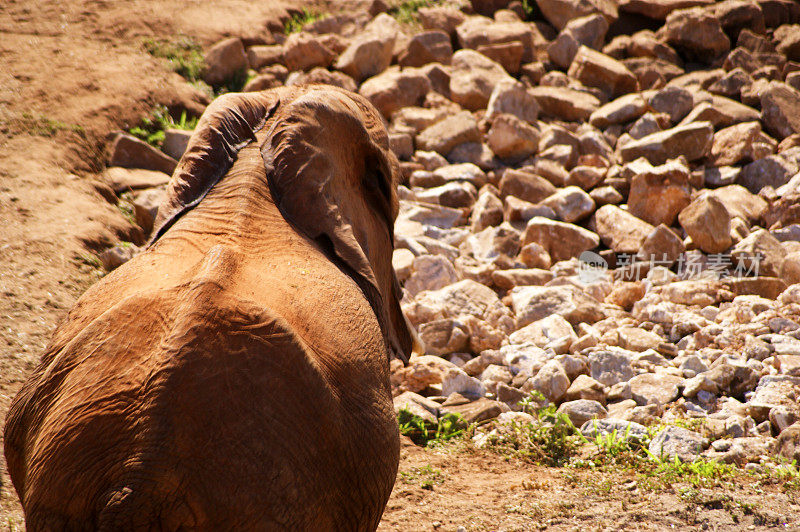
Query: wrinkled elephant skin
{"points": [[235, 374]]}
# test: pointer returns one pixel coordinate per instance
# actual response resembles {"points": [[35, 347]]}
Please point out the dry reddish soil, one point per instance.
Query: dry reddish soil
{"points": [[73, 72], [452, 486]]}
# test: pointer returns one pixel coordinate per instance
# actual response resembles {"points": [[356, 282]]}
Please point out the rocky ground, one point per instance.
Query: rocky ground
{"points": [[598, 222]]}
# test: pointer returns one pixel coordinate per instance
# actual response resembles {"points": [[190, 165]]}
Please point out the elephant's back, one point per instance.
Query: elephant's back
{"points": [[208, 401]]}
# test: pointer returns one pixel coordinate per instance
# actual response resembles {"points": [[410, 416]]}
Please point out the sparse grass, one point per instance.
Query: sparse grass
{"points": [[406, 12], [614, 445], [299, 20], [236, 83], [787, 474], [125, 206], [528, 509], [151, 129], [530, 8], [44, 126], [89, 260], [615, 451], [427, 476], [449, 427], [691, 423], [184, 55], [551, 440], [203, 87], [699, 473]]}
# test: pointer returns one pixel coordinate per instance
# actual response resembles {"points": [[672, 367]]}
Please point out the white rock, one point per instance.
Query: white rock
{"points": [[676, 441], [456, 381], [610, 367]]}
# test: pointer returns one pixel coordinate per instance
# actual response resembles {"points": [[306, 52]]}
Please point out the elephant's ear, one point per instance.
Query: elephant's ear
{"points": [[321, 157], [228, 125]]}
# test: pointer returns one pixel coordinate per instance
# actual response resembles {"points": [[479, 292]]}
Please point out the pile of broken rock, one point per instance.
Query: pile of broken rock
{"points": [[657, 139]]}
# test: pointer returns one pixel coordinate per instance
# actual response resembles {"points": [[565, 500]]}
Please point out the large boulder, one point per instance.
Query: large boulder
{"points": [[693, 141], [610, 367], [672, 100], [427, 47], [707, 222], [658, 195], [224, 60], [129, 152], [771, 171], [564, 103], [678, 442], [571, 204], [620, 111], [652, 388], [742, 203], [533, 303], [780, 110], [322, 76], [395, 89], [126, 179], [459, 301], [589, 30], [421, 372], [659, 9], [303, 51], [763, 249], [446, 134], [561, 240], [430, 272], [445, 18], [788, 38], [525, 186], [553, 328], [696, 33], [473, 77], [560, 12], [367, 55], [145, 207], [580, 411], [721, 112], [481, 32], [551, 381], [512, 97], [661, 245], [743, 142], [595, 69], [620, 230], [260, 56], [511, 138]]}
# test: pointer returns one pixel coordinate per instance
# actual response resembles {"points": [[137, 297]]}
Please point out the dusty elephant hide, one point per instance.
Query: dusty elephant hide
{"points": [[235, 375]]}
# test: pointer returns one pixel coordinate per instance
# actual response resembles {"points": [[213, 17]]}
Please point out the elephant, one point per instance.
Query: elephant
{"points": [[235, 374]]}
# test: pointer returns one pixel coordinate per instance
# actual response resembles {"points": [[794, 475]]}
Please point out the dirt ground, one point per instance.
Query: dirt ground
{"points": [[73, 72], [445, 488]]}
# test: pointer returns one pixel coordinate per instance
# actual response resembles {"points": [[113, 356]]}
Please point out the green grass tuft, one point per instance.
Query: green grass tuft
{"points": [[422, 433], [406, 12], [184, 55], [299, 20], [428, 476], [44, 126], [551, 439], [152, 127], [236, 83], [125, 206], [699, 473]]}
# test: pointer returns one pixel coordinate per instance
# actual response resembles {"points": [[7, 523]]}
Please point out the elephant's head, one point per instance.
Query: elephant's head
{"points": [[330, 172]]}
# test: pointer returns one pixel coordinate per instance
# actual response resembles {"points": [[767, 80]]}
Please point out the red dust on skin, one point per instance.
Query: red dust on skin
{"points": [[71, 63]]}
